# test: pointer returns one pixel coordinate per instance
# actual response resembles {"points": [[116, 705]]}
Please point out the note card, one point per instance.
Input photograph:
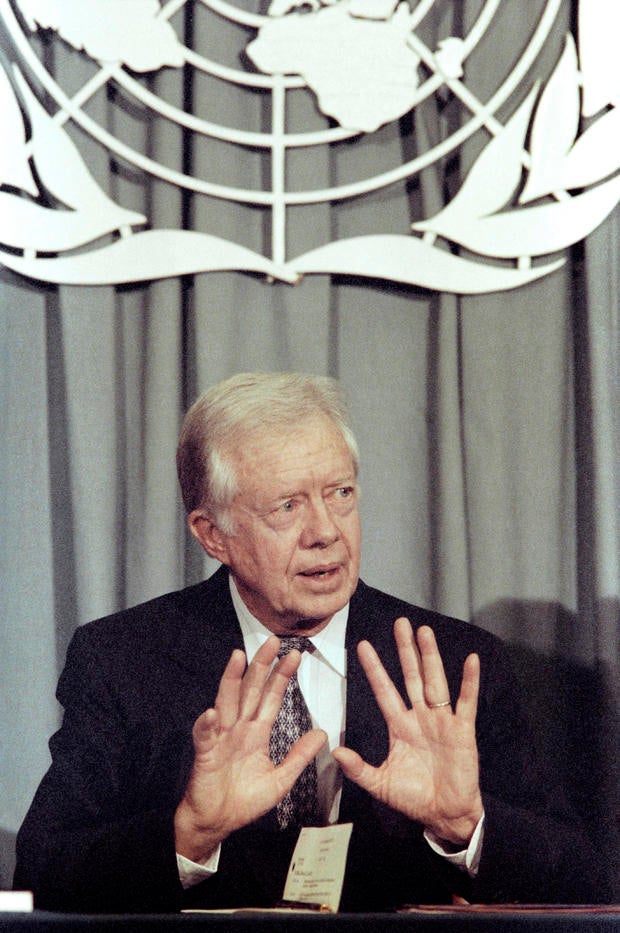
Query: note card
{"points": [[316, 872]]}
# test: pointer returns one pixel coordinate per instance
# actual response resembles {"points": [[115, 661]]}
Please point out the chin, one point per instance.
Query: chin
{"points": [[317, 614]]}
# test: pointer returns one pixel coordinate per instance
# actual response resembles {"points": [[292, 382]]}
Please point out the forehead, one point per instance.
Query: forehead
{"points": [[314, 451]]}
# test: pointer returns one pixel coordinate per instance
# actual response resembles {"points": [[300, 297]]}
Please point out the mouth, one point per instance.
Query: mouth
{"points": [[321, 572]]}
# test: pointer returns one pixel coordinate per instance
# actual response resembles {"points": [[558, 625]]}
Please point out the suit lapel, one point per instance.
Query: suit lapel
{"points": [[207, 630], [365, 730]]}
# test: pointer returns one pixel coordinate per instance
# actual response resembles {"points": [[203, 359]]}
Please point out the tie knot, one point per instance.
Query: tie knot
{"points": [[300, 642]]}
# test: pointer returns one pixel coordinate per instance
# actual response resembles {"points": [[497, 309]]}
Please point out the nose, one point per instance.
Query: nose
{"points": [[319, 530]]}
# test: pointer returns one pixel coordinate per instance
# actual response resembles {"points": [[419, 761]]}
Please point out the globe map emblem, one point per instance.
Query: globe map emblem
{"points": [[353, 69]]}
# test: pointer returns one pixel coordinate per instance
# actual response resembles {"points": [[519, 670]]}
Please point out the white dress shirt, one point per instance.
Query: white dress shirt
{"points": [[322, 678]]}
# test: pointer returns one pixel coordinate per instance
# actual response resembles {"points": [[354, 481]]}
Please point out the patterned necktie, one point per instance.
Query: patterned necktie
{"points": [[300, 806]]}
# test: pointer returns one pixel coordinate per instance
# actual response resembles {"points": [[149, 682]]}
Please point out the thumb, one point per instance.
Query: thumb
{"points": [[354, 767], [205, 731]]}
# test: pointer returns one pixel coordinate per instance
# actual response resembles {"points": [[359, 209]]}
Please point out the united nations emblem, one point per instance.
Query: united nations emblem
{"points": [[319, 78]]}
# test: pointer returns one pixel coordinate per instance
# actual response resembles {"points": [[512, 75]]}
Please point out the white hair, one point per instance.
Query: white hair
{"points": [[245, 404]]}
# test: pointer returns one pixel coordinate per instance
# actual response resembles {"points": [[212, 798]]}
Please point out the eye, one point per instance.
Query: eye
{"points": [[283, 514], [343, 498]]}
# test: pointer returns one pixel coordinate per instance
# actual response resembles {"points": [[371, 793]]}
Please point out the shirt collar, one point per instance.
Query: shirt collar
{"points": [[329, 642]]}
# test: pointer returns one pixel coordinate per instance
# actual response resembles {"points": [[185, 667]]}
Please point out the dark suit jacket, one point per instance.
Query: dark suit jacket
{"points": [[99, 834]]}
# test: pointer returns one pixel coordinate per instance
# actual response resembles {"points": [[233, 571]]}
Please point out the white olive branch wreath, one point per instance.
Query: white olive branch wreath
{"points": [[515, 203]]}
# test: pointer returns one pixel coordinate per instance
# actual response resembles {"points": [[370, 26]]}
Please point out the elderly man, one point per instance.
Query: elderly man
{"points": [[171, 784]]}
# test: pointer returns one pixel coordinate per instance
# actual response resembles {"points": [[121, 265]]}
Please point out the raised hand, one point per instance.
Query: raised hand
{"points": [[431, 772], [233, 780]]}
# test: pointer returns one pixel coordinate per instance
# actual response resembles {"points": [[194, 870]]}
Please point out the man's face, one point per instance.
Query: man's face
{"points": [[295, 549]]}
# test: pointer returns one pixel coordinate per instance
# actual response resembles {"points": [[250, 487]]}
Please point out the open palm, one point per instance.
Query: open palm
{"points": [[431, 771], [233, 780]]}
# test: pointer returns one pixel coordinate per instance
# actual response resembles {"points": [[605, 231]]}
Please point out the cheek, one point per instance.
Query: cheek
{"points": [[250, 552], [352, 532], [275, 552]]}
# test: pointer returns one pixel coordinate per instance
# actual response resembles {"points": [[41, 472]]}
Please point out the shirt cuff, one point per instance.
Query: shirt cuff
{"points": [[192, 873], [468, 859]]}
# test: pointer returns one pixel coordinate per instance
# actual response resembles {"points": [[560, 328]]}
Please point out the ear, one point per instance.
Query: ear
{"points": [[210, 537]]}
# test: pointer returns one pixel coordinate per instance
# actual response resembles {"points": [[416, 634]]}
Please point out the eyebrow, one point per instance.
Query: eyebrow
{"points": [[350, 480]]}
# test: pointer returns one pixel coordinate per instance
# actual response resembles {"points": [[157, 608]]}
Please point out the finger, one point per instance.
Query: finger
{"points": [[229, 690], [436, 688], [467, 703], [387, 696], [299, 757], [256, 676], [409, 660], [275, 688]]}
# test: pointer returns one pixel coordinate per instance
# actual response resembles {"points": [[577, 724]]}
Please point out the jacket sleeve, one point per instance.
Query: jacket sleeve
{"points": [[97, 836]]}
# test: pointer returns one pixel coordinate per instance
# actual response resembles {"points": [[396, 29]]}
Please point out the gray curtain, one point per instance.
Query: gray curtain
{"points": [[489, 431]]}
